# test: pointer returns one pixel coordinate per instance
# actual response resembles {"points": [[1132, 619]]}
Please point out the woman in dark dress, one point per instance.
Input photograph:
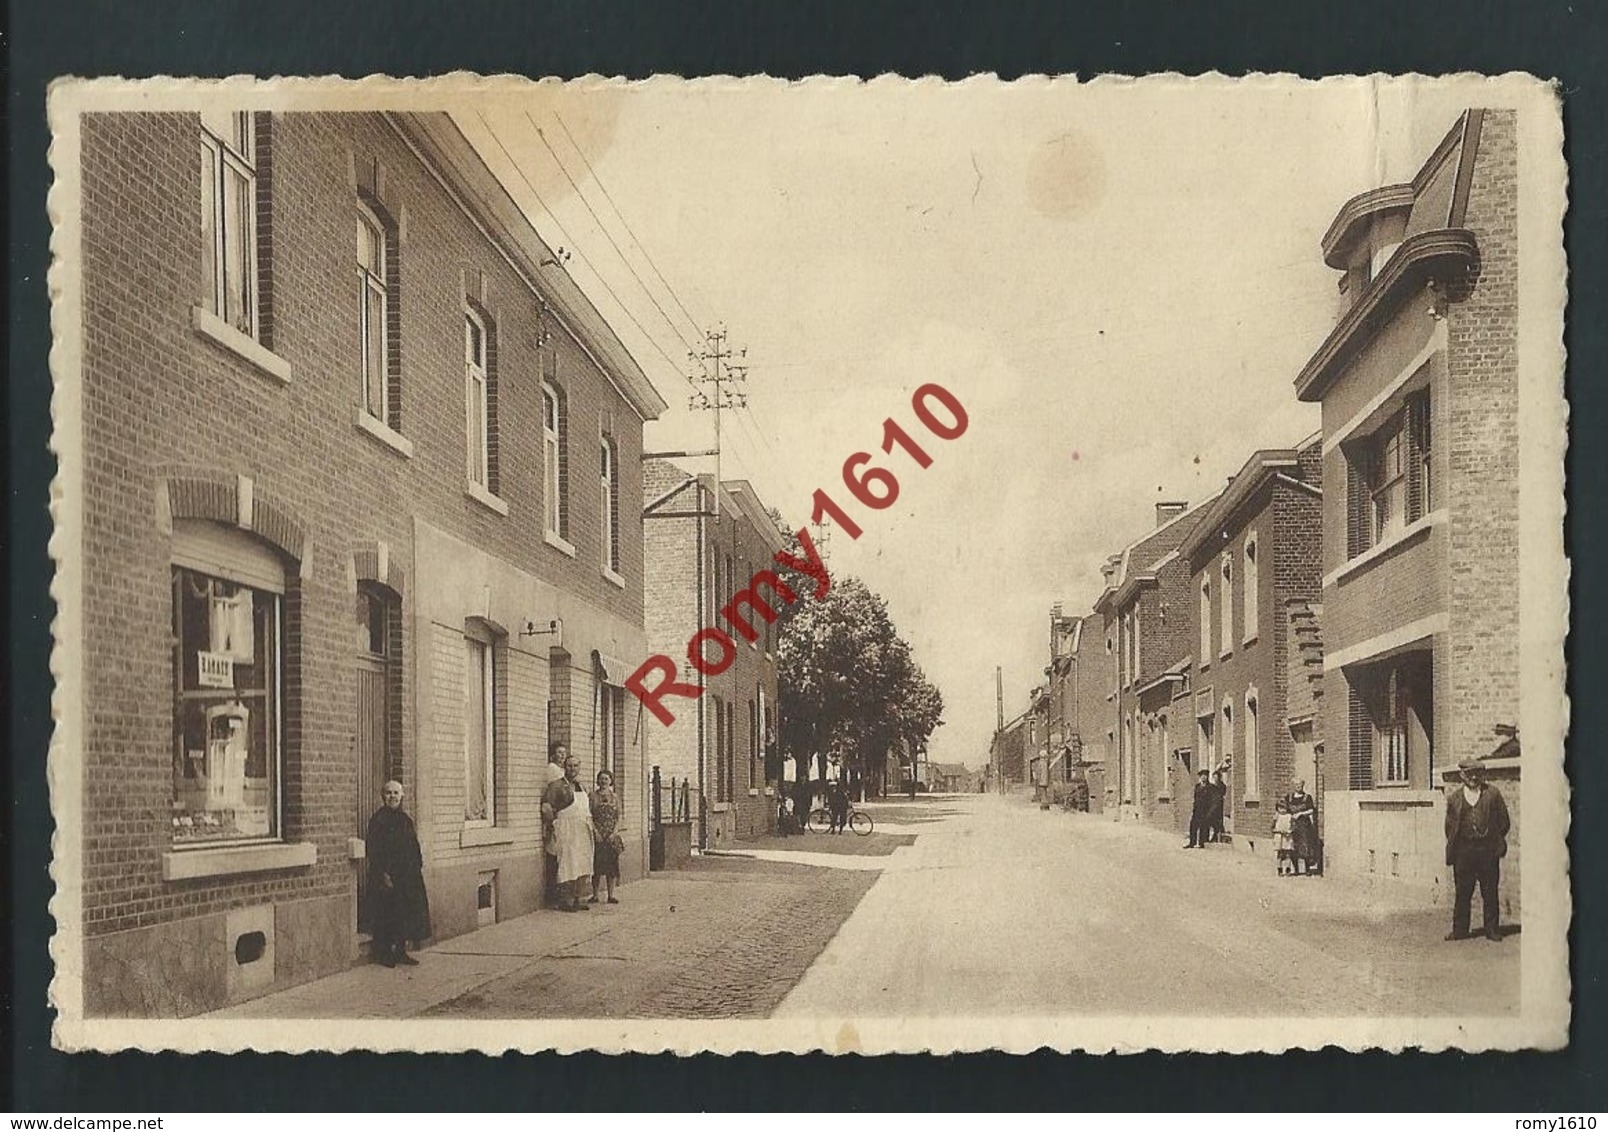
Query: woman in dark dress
{"points": [[605, 823], [398, 909], [1303, 813]]}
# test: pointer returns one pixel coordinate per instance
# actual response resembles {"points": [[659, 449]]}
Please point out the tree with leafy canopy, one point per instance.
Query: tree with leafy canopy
{"points": [[849, 687]]}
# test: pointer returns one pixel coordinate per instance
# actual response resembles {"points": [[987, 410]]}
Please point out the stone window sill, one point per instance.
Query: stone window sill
{"points": [[720, 807], [614, 577], [384, 433], [483, 497], [238, 860], [474, 835], [559, 543], [1402, 537], [1249, 641], [243, 346]]}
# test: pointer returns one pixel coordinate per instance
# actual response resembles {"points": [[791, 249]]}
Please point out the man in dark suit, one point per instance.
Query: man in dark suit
{"points": [[1200, 815], [1476, 841]]}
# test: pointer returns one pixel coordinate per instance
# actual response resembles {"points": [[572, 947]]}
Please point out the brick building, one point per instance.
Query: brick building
{"points": [[1145, 607], [360, 492], [1255, 550], [699, 557], [1080, 676], [1418, 384], [1007, 756]]}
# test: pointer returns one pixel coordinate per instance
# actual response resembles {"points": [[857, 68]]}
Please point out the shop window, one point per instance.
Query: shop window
{"points": [[227, 675], [1390, 732], [229, 217]]}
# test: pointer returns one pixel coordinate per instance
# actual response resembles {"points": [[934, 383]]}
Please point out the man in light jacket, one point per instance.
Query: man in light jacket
{"points": [[1477, 826]]}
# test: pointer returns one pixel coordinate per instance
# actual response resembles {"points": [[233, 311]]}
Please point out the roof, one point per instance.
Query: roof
{"points": [[1139, 561], [738, 496], [1260, 470], [438, 142], [1436, 247]]}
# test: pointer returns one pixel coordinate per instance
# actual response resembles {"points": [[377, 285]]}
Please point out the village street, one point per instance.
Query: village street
{"points": [[1003, 909], [962, 904]]}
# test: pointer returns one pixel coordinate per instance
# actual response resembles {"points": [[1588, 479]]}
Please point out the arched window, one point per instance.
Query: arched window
{"points": [[1252, 584], [555, 506], [610, 503], [228, 672]]}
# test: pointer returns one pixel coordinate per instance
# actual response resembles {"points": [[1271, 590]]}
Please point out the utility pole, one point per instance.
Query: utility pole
{"points": [[713, 392], [720, 379], [822, 534]]}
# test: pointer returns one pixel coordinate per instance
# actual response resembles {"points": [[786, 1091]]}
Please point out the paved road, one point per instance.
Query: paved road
{"points": [[1000, 908]]}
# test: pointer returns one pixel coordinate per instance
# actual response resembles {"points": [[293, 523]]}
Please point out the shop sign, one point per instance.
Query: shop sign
{"points": [[214, 669]]}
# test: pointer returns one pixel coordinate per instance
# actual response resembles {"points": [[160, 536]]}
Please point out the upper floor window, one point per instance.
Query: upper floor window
{"points": [[374, 315], [1389, 477], [610, 502], [1205, 621], [1251, 582], [554, 445], [477, 400], [1225, 606], [229, 217]]}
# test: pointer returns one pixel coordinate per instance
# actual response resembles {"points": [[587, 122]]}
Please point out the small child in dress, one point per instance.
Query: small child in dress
{"points": [[1283, 841]]}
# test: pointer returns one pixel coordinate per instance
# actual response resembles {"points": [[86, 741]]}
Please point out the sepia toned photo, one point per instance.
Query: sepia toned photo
{"points": [[863, 566]]}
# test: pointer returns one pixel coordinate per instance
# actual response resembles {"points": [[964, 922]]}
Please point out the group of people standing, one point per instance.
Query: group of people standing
{"points": [[581, 832], [582, 843], [1295, 823]]}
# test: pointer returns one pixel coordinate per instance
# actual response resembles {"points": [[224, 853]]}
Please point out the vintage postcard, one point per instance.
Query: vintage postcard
{"points": [[737, 564]]}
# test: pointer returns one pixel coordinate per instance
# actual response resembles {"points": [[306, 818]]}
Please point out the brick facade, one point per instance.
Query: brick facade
{"points": [[192, 429], [1420, 621], [722, 743], [1145, 609], [1267, 528]]}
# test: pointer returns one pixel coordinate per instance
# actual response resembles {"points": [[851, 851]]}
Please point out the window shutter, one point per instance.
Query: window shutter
{"points": [[1360, 763], [1417, 450], [1357, 505]]}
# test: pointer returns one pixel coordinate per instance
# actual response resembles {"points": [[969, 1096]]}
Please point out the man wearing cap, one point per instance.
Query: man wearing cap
{"points": [[1476, 841], [1200, 814]]}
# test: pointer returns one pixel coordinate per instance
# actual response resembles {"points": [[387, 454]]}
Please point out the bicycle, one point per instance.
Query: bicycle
{"points": [[859, 821]]}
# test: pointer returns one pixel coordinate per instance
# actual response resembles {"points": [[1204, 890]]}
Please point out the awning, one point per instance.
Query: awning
{"points": [[611, 669]]}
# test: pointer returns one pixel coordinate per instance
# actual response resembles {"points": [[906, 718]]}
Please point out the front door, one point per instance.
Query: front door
{"points": [[373, 723]]}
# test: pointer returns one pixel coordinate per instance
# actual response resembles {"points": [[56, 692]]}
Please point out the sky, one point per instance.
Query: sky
{"points": [[1119, 282]]}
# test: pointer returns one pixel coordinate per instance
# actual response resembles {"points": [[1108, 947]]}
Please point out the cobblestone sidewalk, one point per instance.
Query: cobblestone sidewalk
{"points": [[723, 937]]}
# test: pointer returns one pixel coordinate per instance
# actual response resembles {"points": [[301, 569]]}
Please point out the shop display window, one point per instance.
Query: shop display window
{"points": [[226, 676]]}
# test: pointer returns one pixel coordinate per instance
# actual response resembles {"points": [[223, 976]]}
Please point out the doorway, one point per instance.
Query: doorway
{"points": [[377, 620]]}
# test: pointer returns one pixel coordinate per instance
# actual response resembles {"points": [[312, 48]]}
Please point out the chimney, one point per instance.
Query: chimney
{"points": [[1167, 512]]}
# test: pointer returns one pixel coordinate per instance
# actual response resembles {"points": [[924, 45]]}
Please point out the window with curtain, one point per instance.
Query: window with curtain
{"points": [[479, 732], [477, 400], [229, 217], [373, 300]]}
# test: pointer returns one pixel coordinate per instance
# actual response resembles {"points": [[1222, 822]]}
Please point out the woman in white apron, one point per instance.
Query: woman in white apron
{"points": [[573, 839]]}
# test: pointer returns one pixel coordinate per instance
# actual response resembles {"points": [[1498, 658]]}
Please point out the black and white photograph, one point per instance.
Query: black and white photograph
{"points": [[865, 566]]}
